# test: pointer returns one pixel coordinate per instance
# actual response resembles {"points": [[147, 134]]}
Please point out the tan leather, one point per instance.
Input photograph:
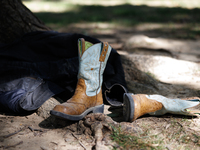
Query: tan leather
{"points": [[83, 45], [104, 51], [143, 105], [80, 101]]}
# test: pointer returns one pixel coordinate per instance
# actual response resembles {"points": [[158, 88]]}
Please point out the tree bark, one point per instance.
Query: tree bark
{"points": [[16, 20]]}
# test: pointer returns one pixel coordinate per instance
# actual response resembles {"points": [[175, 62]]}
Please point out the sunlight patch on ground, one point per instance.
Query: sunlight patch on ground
{"points": [[163, 3], [168, 70], [153, 26], [46, 6], [168, 3], [140, 27], [63, 6], [98, 28], [90, 28], [94, 25]]}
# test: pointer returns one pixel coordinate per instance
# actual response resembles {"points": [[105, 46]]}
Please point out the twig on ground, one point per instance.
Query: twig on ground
{"points": [[11, 134], [54, 143], [79, 141], [35, 134], [43, 148], [35, 129], [179, 123], [68, 129], [30, 128], [6, 147]]}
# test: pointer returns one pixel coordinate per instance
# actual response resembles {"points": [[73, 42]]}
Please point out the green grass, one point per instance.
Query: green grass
{"points": [[151, 75], [159, 3], [123, 14], [139, 141], [126, 141], [62, 14], [158, 137]]}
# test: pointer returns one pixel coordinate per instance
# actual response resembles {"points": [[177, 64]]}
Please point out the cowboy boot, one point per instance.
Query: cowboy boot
{"points": [[140, 104], [88, 95]]}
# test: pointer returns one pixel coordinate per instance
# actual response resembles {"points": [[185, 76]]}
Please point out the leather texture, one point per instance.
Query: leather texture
{"points": [[88, 92], [144, 105], [80, 101], [104, 51], [175, 106]]}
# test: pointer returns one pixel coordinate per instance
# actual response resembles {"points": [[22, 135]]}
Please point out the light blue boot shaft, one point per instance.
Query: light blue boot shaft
{"points": [[175, 106], [91, 69]]}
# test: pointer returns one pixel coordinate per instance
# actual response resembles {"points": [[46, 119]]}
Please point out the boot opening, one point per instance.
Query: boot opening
{"points": [[114, 95]]}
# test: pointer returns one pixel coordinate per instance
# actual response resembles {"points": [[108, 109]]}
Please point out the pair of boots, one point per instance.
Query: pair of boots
{"points": [[88, 95]]}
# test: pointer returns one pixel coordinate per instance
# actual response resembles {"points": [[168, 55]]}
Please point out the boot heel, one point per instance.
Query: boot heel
{"points": [[128, 107], [98, 109]]}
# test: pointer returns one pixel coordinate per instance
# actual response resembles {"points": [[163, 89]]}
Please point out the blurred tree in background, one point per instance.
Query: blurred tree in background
{"points": [[16, 20]]}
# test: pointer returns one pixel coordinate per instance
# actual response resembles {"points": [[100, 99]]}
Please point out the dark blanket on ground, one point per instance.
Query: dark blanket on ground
{"points": [[53, 57]]}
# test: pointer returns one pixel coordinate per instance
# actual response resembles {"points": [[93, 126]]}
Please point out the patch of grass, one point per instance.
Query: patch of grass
{"points": [[64, 13], [173, 133], [129, 15], [116, 14], [196, 139], [126, 141], [151, 75]]}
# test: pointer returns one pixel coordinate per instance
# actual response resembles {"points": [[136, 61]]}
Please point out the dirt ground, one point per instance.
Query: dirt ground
{"points": [[39, 132]]}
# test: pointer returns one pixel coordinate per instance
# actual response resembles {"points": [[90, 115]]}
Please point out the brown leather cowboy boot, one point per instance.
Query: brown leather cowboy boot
{"points": [[140, 104], [88, 95]]}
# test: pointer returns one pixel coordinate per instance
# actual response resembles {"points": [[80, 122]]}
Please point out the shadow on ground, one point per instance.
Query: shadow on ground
{"points": [[130, 15]]}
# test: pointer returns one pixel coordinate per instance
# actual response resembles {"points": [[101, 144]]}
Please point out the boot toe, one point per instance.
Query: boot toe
{"points": [[65, 110], [69, 109]]}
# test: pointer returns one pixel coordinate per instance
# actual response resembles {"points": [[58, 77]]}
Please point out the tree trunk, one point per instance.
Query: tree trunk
{"points": [[16, 20]]}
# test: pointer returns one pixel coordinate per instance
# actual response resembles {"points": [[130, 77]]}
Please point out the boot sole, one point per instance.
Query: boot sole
{"points": [[128, 107], [96, 109]]}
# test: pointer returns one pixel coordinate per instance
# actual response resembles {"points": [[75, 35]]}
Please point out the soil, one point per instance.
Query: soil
{"points": [[162, 70]]}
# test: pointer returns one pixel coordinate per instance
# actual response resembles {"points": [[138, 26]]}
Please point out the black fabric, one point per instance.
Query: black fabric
{"points": [[114, 95], [53, 57]]}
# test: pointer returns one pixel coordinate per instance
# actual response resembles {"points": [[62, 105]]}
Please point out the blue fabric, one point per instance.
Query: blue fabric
{"points": [[26, 94], [9, 101]]}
